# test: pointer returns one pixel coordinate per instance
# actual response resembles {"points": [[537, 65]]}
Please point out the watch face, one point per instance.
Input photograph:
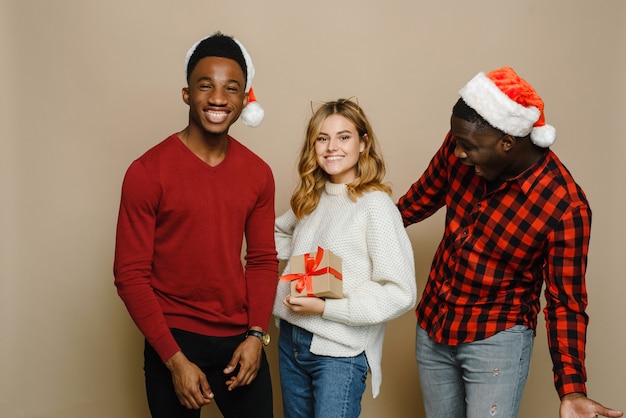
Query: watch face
{"points": [[266, 339]]}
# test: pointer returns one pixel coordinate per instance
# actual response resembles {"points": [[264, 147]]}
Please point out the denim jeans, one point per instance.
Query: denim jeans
{"points": [[210, 354], [318, 386], [474, 380]]}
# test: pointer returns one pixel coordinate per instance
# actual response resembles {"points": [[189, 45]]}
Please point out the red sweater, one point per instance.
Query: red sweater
{"points": [[179, 243]]}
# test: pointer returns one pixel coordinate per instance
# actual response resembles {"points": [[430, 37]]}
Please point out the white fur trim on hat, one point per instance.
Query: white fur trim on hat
{"points": [[482, 95], [249, 64], [253, 114], [190, 53]]}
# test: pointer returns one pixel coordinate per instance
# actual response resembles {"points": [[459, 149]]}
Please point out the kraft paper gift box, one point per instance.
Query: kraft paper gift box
{"points": [[315, 274]]}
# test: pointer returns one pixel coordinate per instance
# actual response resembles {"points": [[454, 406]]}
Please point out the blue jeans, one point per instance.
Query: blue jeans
{"points": [[474, 380], [318, 386]]}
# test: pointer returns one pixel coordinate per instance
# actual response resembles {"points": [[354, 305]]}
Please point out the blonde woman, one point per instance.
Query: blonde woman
{"points": [[327, 346]]}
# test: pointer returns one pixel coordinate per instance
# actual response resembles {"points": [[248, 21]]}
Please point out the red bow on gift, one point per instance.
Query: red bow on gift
{"points": [[304, 280]]}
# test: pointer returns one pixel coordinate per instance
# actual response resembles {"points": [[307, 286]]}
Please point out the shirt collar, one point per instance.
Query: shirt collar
{"points": [[531, 175]]}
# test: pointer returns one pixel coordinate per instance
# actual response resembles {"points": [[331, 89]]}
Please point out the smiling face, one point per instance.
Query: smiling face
{"points": [[215, 95], [338, 147], [484, 148]]}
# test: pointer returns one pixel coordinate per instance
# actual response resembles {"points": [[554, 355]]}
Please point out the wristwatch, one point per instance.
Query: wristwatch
{"points": [[264, 337]]}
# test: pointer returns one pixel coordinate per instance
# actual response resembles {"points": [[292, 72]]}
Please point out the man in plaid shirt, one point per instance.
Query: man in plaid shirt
{"points": [[515, 219]]}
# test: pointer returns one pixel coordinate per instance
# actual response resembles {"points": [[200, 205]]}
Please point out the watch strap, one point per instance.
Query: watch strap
{"points": [[264, 337]]}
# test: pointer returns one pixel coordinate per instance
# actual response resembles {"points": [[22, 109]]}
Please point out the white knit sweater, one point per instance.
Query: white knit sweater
{"points": [[377, 267]]}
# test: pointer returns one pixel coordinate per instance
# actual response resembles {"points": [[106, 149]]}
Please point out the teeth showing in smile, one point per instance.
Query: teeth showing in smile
{"points": [[216, 117], [334, 158]]}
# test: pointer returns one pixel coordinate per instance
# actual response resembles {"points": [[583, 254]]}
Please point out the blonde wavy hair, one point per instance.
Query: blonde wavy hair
{"points": [[370, 167]]}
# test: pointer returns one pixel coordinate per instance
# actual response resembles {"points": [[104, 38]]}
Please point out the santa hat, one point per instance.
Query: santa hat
{"points": [[253, 114], [510, 104]]}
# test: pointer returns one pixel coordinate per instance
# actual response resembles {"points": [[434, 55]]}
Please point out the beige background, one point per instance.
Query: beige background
{"points": [[87, 86]]}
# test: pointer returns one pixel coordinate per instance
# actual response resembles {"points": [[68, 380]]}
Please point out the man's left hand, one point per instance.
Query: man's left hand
{"points": [[248, 357], [577, 405]]}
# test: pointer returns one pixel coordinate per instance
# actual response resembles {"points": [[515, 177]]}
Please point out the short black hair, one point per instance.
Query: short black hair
{"points": [[463, 111], [218, 45]]}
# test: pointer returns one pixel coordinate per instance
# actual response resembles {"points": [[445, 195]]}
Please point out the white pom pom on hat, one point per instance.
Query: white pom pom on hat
{"points": [[509, 103], [253, 114]]}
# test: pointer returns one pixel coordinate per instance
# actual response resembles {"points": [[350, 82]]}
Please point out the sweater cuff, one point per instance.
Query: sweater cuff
{"points": [[166, 346], [336, 310]]}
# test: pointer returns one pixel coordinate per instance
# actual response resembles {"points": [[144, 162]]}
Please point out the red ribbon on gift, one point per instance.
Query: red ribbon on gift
{"points": [[305, 280]]}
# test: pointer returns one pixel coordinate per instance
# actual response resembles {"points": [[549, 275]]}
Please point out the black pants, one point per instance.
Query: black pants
{"points": [[210, 354]]}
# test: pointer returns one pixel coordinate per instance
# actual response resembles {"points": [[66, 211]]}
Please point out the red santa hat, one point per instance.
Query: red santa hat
{"points": [[509, 103], [253, 114]]}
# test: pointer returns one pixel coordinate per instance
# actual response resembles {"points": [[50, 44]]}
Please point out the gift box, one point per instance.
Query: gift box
{"points": [[315, 274]]}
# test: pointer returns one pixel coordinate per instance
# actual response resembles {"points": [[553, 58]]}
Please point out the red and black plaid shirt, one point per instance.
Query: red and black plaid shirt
{"points": [[498, 248]]}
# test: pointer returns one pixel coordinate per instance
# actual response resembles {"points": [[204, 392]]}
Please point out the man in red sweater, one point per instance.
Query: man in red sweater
{"points": [[186, 206]]}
